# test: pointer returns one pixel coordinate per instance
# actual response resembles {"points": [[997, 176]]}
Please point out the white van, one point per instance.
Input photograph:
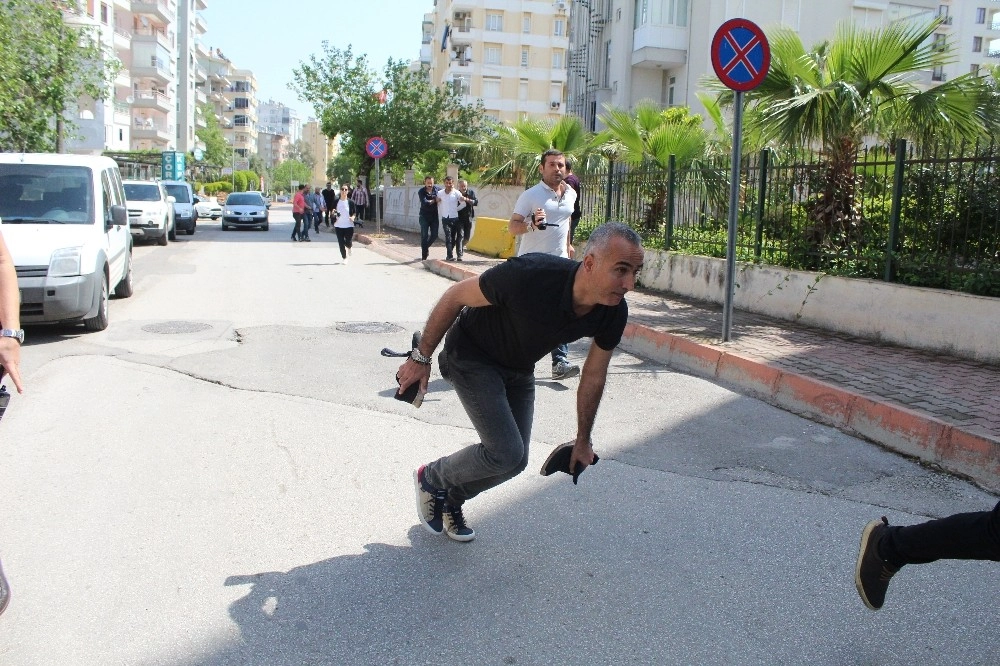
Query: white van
{"points": [[185, 213], [65, 222]]}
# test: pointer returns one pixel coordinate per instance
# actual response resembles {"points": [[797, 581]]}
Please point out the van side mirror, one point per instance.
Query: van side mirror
{"points": [[119, 217]]}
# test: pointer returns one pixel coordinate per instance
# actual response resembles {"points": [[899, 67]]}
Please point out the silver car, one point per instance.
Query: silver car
{"points": [[244, 209]]}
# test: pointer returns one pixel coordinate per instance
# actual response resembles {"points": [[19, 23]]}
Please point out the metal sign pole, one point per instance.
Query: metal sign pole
{"points": [[734, 193], [378, 207]]}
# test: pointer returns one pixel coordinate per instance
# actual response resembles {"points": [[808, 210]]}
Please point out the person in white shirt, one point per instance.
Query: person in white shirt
{"points": [[343, 226], [450, 201], [541, 222]]}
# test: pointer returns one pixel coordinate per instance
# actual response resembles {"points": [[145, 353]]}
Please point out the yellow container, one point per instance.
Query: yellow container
{"points": [[492, 238]]}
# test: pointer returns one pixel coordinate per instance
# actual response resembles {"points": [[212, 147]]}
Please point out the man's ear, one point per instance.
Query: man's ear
{"points": [[588, 263]]}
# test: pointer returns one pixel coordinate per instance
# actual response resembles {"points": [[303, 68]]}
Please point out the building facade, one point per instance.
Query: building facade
{"points": [[511, 54], [624, 51], [320, 146]]}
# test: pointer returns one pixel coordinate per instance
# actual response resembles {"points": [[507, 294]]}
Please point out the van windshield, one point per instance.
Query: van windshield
{"points": [[142, 192], [179, 193], [45, 194]]}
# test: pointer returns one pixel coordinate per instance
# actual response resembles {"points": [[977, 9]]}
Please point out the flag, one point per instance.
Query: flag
{"points": [[444, 38], [382, 96]]}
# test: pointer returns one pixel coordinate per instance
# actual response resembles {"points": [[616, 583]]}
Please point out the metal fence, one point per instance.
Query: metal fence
{"points": [[925, 219]]}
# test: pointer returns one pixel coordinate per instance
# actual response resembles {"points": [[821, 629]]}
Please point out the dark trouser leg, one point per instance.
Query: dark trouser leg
{"points": [[298, 225], [428, 232], [319, 218], [500, 403], [448, 224], [342, 240], [963, 536], [349, 237], [466, 224], [573, 223], [560, 354]]}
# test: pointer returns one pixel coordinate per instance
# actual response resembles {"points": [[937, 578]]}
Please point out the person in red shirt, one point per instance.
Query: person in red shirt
{"points": [[299, 213]]}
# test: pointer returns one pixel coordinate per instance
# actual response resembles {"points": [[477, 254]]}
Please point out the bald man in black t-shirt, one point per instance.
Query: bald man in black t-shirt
{"points": [[498, 325]]}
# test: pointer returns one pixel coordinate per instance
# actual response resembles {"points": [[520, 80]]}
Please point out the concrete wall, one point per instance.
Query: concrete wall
{"points": [[402, 208], [931, 319]]}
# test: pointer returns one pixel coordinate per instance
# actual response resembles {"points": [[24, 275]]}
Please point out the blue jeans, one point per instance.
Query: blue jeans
{"points": [[560, 354], [428, 232], [500, 403], [452, 232]]}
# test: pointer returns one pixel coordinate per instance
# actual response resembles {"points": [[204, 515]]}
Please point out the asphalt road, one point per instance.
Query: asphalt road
{"points": [[221, 477]]}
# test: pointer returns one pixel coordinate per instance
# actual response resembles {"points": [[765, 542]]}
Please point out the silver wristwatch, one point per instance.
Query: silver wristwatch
{"points": [[420, 358], [11, 333]]}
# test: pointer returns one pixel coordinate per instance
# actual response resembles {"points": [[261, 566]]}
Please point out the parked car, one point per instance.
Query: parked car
{"points": [[65, 222], [245, 209], [210, 208], [150, 211], [185, 213]]}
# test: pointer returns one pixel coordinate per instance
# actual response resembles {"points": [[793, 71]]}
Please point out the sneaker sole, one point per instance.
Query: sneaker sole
{"points": [[865, 536], [420, 512], [567, 375], [463, 538]]}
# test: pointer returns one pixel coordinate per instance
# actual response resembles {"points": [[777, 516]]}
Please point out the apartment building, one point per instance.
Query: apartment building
{"points": [[511, 54], [190, 35], [321, 146], [241, 112], [623, 51], [277, 118]]}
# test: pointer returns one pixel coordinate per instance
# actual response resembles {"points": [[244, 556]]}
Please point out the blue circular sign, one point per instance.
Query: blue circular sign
{"points": [[741, 54]]}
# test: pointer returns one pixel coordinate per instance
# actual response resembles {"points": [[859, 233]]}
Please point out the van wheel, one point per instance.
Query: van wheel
{"points": [[194, 225], [162, 240], [99, 322], [172, 234], [124, 288]]}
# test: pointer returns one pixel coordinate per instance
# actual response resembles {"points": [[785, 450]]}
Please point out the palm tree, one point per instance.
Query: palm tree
{"points": [[647, 137], [512, 151], [863, 84]]}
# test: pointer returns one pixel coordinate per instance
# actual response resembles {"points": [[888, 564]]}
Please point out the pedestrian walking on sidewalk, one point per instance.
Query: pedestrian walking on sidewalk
{"points": [[885, 549], [11, 337], [541, 221], [330, 203], [299, 213], [427, 195], [449, 201], [343, 226], [360, 197], [319, 207], [498, 325]]}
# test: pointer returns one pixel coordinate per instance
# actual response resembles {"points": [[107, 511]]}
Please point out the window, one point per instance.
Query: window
{"points": [[492, 54], [661, 12], [105, 13], [938, 74], [558, 59], [607, 63], [526, 23], [940, 42], [524, 56], [974, 70], [671, 90], [980, 15], [242, 103], [977, 44], [491, 88], [559, 27], [555, 95], [494, 22], [522, 90]]}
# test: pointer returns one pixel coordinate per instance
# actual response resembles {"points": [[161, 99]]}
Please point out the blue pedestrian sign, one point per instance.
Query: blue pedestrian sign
{"points": [[376, 147], [741, 54]]}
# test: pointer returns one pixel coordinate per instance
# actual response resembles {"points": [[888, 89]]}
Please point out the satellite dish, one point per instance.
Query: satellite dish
{"points": [[129, 99], [144, 21], [86, 115]]}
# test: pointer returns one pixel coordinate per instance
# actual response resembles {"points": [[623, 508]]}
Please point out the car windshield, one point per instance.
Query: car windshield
{"points": [[244, 199], [178, 192], [142, 192], [45, 194]]}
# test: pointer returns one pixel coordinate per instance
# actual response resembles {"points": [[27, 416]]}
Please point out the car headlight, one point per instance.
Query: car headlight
{"points": [[65, 262], [230, 211]]}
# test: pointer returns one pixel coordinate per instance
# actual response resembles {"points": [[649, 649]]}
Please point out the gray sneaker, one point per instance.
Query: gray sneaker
{"points": [[430, 503], [564, 370]]}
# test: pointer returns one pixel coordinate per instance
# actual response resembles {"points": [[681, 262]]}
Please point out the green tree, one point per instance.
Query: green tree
{"points": [[862, 84], [511, 153], [401, 106], [343, 167], [46, 67], [218, 152], [302, 151], [288, 171]]}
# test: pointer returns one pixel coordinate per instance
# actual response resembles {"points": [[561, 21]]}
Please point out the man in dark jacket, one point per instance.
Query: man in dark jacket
{"points": [[466, 217], [330, 198], [427, 195]]}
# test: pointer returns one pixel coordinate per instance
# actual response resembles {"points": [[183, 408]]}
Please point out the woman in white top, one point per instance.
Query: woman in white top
{"points": [[344, 226]]}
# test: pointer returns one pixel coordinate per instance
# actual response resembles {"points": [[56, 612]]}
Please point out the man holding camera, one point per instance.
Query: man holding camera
{"points": [[541, 221]]}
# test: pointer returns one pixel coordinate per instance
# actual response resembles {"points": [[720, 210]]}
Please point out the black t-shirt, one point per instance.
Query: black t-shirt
{"points": [[531, 313]]}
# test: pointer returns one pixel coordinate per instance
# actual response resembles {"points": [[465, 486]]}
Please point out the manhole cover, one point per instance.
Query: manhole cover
{"points": [[172, 327], [369, 327]]}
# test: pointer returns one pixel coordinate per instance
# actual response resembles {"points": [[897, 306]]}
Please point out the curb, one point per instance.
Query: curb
{"points": [[897, 428]]}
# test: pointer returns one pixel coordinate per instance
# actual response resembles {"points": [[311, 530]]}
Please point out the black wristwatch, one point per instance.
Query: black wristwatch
{"points": [[17, 334]]}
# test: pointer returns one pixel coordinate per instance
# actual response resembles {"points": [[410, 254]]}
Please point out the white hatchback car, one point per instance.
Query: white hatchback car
{"points": [[209, 208], [150, 211]]}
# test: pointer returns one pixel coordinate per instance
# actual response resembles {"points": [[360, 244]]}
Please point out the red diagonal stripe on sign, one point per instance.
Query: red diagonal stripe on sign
{"points": [[741, 55]]}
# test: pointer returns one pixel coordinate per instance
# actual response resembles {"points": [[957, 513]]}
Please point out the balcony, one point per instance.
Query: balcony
{"points": [[159, 9], [122, 38], [151, 130], [656, 47], [155, 68], [200, 24], [200, 75], [200, 96], [152, 36], [201, 50], [152, 99], [121, 112]]}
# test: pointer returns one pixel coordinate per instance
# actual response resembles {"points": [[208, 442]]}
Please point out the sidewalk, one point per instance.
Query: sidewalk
{"points": [[941, 409]]}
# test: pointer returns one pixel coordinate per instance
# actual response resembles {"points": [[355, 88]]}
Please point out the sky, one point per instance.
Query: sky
{"points": [[263, 36]]}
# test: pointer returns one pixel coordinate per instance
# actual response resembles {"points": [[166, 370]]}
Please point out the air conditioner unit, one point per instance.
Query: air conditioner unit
{"points": [[461, 16], [561, 5], [554, 105]]}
